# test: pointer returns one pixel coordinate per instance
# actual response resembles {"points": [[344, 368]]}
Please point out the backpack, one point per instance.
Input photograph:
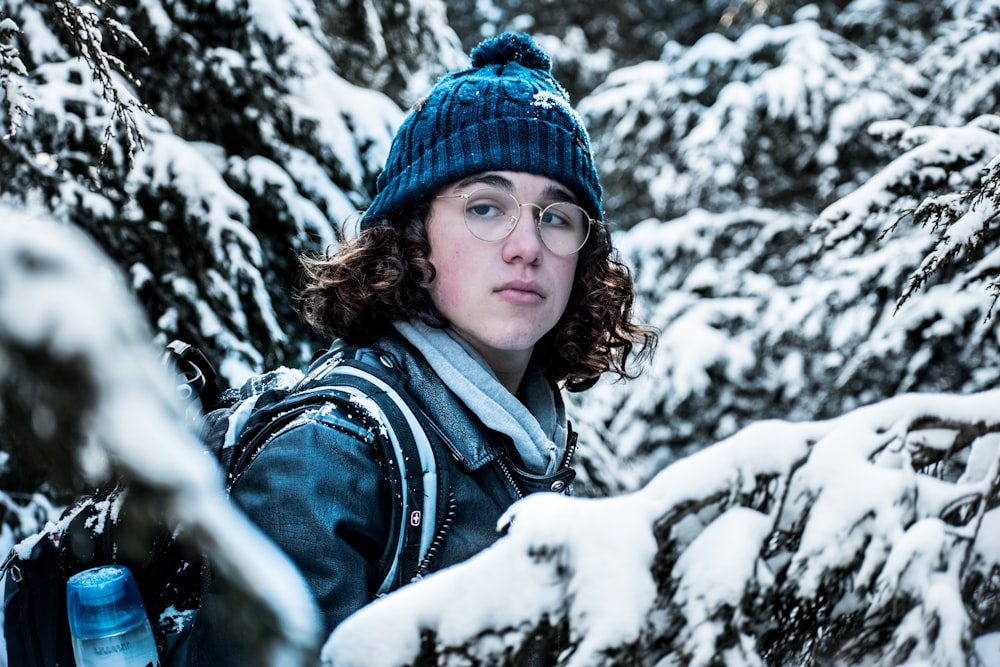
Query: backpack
{"points": [[235, 426]]}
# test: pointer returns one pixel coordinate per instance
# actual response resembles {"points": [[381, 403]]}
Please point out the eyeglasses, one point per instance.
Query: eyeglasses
{"points": [[491, 215]]}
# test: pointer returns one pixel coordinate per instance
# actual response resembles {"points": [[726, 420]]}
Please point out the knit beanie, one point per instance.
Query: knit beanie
{"points": [[504, 113]]}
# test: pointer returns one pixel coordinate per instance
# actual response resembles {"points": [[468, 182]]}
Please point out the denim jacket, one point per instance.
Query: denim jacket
{"points": [[318, 490]]}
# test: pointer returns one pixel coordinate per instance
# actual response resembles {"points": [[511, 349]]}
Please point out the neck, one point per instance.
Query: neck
{"points": [[535, 421], [512, 381], [509, 368]]}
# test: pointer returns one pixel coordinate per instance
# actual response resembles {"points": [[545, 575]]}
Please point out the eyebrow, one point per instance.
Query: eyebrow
{"points": [[553, 193]]}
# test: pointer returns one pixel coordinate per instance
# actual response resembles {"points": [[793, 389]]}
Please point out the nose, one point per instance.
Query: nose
{"points": [[524, 242]]}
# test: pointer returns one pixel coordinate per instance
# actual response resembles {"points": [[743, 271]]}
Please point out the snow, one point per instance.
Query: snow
{"points": [[554, 543], [59, 294], [588, 560], [705, 584], [767, 307], [311, 176], [689, 374], [535, 560], [319, 95], [928, 146]]}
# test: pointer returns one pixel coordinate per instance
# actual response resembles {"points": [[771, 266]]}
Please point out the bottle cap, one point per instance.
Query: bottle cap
{"points": [[103, 601]]}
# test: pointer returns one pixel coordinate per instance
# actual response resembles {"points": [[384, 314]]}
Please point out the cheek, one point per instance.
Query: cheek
{"points": [[451, 277], [439, 289]]}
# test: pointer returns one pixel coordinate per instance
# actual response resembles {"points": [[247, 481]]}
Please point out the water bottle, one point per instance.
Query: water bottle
{"points": [[107, 619]]}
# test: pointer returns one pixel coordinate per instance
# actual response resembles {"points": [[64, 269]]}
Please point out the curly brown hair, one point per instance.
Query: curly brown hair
{"points": [[356, 291]]}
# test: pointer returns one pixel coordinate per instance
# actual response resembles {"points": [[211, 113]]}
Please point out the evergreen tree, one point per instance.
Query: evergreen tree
{"points": [[806, 193]]}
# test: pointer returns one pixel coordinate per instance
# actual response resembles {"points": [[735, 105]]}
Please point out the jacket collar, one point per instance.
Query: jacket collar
{"points": [[475, 432]]}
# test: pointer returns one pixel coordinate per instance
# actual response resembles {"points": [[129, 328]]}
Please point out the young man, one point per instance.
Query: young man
{"points": [[484, 275]]}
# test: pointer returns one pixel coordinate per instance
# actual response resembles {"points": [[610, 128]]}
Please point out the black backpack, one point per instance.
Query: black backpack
{"points": [[170, 578]]}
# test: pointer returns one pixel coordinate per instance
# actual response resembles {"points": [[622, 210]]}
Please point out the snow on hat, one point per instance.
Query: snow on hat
{"points": [[504, 113]]}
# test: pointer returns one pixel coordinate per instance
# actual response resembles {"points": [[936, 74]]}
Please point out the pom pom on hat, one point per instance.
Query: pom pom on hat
{"points": [[504, 113], [508, 48]]}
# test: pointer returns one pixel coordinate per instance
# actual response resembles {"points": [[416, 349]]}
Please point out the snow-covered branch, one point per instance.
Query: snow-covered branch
{"points": [[12, 76], [866, 539], [86, 26], [83, 397], [954, 174]]}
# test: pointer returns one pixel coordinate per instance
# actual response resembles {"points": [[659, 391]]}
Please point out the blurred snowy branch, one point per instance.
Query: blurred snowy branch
{"points": [[83, 398]]}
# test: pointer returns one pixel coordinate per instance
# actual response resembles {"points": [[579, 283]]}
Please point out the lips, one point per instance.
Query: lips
{"points": [[521, 291]]}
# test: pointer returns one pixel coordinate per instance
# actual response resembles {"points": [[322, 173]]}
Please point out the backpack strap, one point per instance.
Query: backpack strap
{"points": [[372, 391], [421, 479]]}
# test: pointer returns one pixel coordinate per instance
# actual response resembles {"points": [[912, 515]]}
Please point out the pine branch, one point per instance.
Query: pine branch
{"points": [[12, 74], [962, 224], [86, 28]]}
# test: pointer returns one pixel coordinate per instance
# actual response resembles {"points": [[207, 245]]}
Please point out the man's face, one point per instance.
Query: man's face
{"points": [[501, 297]]}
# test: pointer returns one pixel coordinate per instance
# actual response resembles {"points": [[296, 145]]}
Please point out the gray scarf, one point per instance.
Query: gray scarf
{"points": [[537, 426]]}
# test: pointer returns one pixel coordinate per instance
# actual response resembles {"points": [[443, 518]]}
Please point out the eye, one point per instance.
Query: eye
{"points": [[484, 210], [488, 206], [564, 215]]}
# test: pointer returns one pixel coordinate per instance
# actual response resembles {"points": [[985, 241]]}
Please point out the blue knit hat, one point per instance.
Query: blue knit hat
{"points": [[504, 113]]}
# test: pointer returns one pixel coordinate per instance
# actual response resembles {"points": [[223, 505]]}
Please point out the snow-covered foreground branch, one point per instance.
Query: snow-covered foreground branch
{"points": [[866, 539], [83, 396]]}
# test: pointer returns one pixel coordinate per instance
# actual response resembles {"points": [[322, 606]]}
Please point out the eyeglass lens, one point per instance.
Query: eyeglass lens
{"points": [[491, 215]]}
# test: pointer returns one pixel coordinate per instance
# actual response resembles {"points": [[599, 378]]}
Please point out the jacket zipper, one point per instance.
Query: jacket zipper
{"points": [[439, 537], [567, 457], [449, 519], [570, 449], [510, 478]]}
